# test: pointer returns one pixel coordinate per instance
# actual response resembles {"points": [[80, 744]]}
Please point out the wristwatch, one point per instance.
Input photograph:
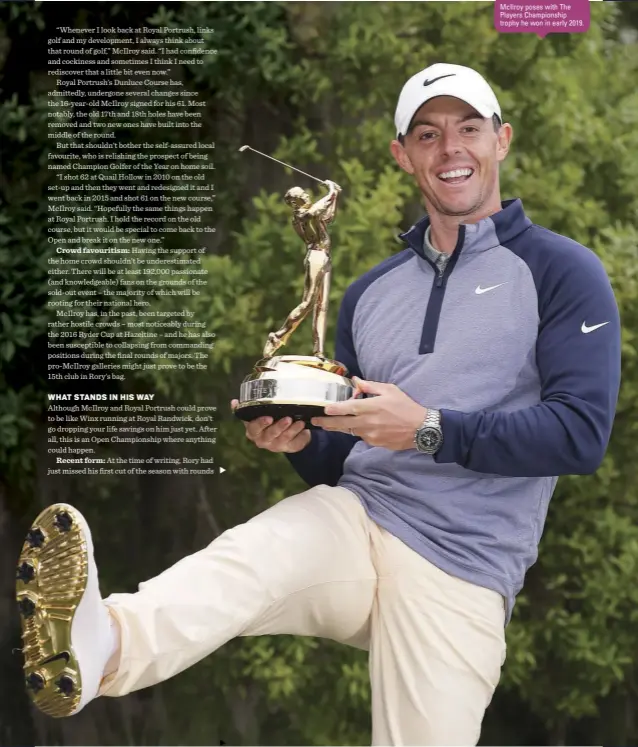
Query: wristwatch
{"points": [[428, 438]]}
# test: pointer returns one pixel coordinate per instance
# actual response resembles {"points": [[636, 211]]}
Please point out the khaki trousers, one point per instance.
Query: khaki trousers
{"points": [[316, 565]]}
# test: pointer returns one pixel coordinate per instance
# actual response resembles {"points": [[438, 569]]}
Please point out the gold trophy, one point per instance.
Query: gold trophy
{"points": [[300, 386]]}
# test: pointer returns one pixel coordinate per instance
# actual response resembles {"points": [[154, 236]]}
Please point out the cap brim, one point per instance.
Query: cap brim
{"points": [[484, 111]]}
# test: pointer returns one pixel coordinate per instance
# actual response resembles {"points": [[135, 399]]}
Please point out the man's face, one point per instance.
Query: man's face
{"points": [[453, 154]]}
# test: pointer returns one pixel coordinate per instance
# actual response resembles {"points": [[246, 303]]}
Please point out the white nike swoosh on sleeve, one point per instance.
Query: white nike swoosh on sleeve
{"points": [[586, 330]]}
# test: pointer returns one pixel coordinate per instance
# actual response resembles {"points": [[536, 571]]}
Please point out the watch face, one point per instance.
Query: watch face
{"points": [[429, 439]]}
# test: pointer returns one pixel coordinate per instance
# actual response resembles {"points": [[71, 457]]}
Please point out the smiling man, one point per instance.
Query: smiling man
{"points": [[452, 145], [490, 351]]}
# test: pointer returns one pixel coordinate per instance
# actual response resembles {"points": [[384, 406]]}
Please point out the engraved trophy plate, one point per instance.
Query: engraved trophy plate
{"points": [[284, 386]]}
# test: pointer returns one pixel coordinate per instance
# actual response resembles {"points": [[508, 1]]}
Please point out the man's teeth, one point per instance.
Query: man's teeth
{"points": [[456, 174]]}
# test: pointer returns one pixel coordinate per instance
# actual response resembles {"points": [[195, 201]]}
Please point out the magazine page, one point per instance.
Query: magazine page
{"points": [[318, 373]]}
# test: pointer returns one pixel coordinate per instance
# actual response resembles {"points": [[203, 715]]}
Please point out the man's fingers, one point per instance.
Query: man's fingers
{"points": [[373, 387], [338, 423], [274, 431], [299, 441], [255, 428], [283, 435], [281, 439], [342, 409], [277, 436]]}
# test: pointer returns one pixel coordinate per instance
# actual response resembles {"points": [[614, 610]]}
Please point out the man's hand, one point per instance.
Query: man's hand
{"points": [[389, 419], [283, 436]]}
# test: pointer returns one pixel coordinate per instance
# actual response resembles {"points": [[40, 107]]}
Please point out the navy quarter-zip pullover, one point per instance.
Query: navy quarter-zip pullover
{"points": [[517, 343]]}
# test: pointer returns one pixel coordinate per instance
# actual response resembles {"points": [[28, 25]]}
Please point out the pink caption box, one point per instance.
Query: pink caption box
{"points": [[542, 18]]}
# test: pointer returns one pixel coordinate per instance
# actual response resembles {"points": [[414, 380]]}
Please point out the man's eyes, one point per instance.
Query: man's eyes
{"points": [[465, 130]]}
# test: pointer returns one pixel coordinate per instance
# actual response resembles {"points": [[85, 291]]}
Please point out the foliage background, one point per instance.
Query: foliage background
{"points": [[315, 84]]}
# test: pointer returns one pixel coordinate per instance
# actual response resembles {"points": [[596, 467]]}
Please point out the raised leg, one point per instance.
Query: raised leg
{"points": [[302, 567]]}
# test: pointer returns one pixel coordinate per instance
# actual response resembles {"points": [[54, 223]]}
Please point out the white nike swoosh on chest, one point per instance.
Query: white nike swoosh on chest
{"points": [[586, 330], [480, 290]]}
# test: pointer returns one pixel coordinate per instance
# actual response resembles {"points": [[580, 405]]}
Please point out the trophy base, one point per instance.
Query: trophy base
{"points": [[278, 411], [298, 387]]}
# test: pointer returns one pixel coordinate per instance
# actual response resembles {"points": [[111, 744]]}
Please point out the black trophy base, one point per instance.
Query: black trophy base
{"points": [[280, 411]]}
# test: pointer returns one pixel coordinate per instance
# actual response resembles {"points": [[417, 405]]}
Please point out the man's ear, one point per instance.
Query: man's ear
{"points": [[401, 157], [504, 136]]}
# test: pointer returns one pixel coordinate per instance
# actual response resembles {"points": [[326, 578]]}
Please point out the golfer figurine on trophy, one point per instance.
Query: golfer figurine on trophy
{"points": [[293, 385], [310, 222]]}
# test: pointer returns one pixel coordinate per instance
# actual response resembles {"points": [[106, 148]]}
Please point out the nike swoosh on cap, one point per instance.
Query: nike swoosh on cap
{"points": [[480, 290], [586, 330], [427, 82]]}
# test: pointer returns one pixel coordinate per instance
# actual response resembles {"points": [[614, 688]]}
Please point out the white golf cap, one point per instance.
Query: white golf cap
{"points": [[444, 80]]}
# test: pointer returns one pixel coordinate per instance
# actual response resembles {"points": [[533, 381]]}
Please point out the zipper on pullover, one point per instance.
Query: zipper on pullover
{"points": [[437, 294]]}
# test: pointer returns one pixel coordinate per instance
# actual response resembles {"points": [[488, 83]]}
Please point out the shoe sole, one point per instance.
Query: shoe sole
{"points": [[50, 582]]}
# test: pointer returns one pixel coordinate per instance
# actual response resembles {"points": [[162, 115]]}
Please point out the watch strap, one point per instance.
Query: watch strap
{"points": [[432, 420]]}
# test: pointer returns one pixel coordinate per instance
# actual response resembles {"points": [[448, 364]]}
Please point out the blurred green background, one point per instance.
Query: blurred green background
{"points": [[315, 84]]}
